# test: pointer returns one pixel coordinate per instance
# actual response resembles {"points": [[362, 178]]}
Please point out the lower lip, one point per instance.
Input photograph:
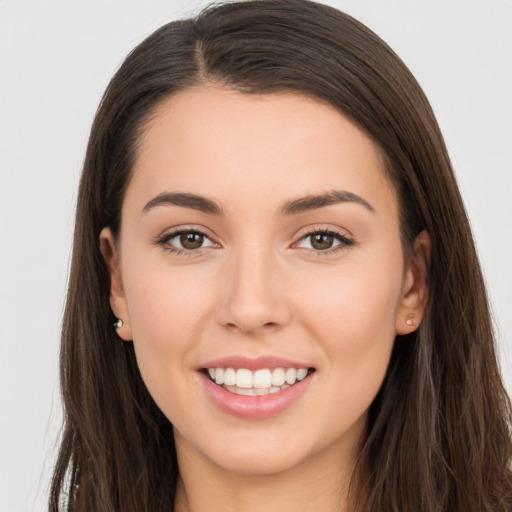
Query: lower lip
{"points": [[255, 407]]}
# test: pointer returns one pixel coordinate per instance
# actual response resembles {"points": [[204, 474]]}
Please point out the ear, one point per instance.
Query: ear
{"points": [[117, 297], [414, 295]]}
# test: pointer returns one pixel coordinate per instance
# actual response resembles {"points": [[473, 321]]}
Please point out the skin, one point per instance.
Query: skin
{"points": [[258, 287]]}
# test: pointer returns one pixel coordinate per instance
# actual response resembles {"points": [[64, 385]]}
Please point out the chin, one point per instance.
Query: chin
{"points": [[253, 452], [258, 462]]}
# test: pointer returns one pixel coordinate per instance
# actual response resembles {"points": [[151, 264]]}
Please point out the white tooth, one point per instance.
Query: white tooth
{"points": [[262, 379], [219, 376], [274, 389], [278, 377], [231, 389], [211, 371], [229, 377], [244, 378], [291, 376], [284, 386], [301, 373], [261, 392], [246, 392]]}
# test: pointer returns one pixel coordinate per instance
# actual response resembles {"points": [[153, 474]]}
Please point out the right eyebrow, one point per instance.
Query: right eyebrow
{"points": [[186, 200]]}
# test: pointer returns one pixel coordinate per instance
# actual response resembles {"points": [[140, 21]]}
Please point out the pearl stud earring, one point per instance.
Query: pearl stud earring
{"points": [[118, 324], [410, 320]]}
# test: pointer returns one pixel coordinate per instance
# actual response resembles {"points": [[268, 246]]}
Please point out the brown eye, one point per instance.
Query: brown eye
{"points": [[324, 241], [191, 240], [187, 241], [321, 241]]}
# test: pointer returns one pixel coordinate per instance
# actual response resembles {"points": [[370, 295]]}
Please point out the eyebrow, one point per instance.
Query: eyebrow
{"points": [[293, 207], [187, 201], [313, 202]]}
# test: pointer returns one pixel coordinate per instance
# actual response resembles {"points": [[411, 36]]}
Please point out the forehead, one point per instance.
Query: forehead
{"points": [[243, 148]]}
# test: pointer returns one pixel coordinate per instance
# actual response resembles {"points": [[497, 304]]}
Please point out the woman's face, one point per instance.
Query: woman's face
{"points": [[260, 236]]}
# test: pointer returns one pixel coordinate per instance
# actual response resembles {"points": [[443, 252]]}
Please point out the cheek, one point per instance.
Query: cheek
{"points": [[357, 299], [353, 321], [166, 310], [165, 303]]}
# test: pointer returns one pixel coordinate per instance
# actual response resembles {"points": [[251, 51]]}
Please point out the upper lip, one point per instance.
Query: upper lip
{"points": [[255, 363]]}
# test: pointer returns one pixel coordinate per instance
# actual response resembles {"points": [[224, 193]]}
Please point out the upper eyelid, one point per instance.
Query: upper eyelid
{"points": [[185, 229], [324, 229]]}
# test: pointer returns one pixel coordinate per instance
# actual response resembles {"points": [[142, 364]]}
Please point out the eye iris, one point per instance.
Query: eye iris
{"points": [[322, 241], [191, 240]]}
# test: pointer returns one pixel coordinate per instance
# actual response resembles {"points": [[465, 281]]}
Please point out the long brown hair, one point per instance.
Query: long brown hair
{"points": [[438, 433]]}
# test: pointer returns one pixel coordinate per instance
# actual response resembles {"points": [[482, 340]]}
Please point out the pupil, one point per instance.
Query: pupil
{"points": [[322, 241], [191, 240]]}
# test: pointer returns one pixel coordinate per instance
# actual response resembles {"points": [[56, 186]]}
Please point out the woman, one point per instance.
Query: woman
{"points": [[268, 218]]}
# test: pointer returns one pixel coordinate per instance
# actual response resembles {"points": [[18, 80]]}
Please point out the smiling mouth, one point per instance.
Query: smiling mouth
{"points": [[261, 382]]}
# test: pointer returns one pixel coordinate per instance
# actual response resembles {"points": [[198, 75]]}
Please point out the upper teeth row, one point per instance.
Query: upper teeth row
{"points": [[259, 379]]}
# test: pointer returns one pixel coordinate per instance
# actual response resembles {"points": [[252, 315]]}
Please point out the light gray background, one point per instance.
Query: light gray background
{"points": [[56, 58]]}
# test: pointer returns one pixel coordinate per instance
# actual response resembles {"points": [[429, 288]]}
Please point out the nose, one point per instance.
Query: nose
{"points": [[253, 294]]}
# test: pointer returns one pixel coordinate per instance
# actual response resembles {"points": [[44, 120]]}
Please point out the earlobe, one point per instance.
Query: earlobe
{"points": [[415, 291], [117, 296]]}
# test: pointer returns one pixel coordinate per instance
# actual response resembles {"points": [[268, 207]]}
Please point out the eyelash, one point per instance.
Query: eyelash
{"points": [[344, 241]]}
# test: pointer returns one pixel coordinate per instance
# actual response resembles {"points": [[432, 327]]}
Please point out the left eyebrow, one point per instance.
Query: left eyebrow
{"points": [[313, 202]]}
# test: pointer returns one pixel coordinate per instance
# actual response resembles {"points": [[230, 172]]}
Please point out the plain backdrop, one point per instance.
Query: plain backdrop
{"points": [[56, 58]]}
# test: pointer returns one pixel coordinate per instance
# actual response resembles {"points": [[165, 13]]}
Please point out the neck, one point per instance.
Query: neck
{"points": [[321, 484]]}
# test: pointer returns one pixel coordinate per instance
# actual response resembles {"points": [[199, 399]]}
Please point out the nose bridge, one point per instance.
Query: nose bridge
{"points": [[253, 296]]}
